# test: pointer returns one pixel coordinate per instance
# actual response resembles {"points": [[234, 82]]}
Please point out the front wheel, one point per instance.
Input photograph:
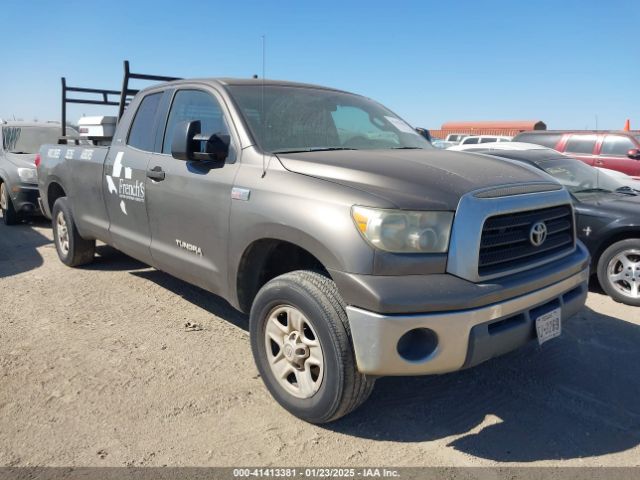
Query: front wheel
{"points": [[73, 250], [619, 271], [302, 347], [9, 214]]}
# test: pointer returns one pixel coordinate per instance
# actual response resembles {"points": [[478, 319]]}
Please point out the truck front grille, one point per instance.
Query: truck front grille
{"points": [[506, 239]]}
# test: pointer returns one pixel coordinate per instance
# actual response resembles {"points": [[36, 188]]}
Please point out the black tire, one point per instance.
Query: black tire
{"points": [[9, 214], [342, 387], [73, 250], [631, 274]]}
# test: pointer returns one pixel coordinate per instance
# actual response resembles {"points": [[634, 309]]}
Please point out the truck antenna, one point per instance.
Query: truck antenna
{"points": [[264, 49]]}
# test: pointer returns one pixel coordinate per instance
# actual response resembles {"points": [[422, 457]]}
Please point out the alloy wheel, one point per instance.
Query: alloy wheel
{"points": [[62, 233], [623, 272], [294, 351], [3, 196]]}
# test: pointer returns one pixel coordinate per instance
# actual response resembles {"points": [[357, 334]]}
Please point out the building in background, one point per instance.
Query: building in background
{"points": [[506, 128]]}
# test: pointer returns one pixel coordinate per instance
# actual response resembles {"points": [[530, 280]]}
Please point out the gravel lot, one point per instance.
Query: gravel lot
{"points": [[98, 368]]}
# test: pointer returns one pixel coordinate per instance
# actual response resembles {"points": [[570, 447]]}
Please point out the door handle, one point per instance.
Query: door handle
{"points": [[599, 162], [156, 173]]}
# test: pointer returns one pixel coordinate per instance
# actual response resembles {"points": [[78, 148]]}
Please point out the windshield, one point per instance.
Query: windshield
{"points": [[580, 178], [28, 139], [294, 119]]}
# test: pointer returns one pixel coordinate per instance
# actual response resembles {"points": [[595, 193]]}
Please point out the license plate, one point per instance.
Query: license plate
{"points": [[548, 326]]}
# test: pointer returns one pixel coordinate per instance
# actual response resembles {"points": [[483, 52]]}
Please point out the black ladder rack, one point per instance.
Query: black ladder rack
{"points": [[97, 91], [123, 96], [126, 94]]}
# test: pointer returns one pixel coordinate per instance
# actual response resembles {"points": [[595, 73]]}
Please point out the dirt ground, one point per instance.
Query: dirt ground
{"points": [[98, 368]]}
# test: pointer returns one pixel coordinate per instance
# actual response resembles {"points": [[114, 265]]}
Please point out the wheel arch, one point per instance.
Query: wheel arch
{"points": [[268, 257], [3, 176], [613, 237], [54, 191]]}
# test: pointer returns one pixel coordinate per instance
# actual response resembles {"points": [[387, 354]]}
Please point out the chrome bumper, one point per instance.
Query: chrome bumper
{"points": [[464, 338]]}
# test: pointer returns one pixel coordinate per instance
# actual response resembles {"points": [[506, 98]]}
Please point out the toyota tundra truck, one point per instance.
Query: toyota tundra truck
{"points": [[357, 249]]}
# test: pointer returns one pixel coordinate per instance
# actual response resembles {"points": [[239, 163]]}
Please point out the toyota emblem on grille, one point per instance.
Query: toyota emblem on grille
{"points": [[538, 234]]}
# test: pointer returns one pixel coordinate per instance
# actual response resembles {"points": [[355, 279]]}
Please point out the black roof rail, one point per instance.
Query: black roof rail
{"points": [[105, 100], [127, 92], [124, 94]]}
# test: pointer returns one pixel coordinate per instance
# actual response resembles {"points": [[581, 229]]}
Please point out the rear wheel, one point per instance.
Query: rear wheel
{"points": [[301, 343], [9, 214], [72, 249], [619, 271]]}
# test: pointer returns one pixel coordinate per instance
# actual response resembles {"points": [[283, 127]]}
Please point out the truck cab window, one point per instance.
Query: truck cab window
{"points": [[190, 105], [142, 134]]}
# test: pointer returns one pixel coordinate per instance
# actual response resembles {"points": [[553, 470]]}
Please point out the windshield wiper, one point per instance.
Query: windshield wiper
{"points": [[20, 153], [627, 190], [593, 190], [319, 149]]}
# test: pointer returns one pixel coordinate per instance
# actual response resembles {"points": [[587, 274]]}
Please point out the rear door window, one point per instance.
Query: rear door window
{"points": [[616, 145], [581, 144], [142, 134]]}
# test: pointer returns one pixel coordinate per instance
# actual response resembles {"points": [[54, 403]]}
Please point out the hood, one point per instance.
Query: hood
{"points": [[611, 205], [25, 160], [411, 179]]}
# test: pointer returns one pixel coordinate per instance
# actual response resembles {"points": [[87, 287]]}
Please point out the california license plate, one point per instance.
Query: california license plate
{"points": [[548, 326]]}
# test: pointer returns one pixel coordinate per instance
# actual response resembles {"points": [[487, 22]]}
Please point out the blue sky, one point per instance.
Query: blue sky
{"points": [[563, 62]]}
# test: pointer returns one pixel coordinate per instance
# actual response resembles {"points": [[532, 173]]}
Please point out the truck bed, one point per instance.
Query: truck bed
{"points": [[80, 168]]}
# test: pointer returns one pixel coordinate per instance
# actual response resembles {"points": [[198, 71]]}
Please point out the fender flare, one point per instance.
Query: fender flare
{"points": [[275, 232]]}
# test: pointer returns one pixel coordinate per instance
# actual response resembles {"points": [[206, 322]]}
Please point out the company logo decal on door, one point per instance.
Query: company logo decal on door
{"points": [[126, 189]]}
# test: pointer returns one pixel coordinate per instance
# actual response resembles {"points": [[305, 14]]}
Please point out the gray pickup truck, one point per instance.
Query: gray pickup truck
{"points": [[358, 250]]}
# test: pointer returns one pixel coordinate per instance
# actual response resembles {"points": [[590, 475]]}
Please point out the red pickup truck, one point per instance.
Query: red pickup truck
{"points": [[615, 150]]}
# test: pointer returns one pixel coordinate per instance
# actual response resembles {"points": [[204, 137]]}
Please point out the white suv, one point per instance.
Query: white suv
{"points": [[475, 139]]}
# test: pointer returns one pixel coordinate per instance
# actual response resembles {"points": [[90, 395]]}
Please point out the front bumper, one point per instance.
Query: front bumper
{"points": [[25, 199], [464, 337]]}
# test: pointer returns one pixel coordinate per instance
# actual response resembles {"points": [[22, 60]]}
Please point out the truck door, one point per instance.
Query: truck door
{"points": [[189, 201], [613, 155], [125, 172]]}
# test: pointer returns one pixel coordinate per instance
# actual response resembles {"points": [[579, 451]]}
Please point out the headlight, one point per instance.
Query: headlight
{"points": [[402, 231], [28, 175]]}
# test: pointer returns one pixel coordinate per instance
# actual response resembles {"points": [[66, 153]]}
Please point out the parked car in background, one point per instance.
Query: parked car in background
{"points": [[442, 144], [615, 150], [20, 144], [607, 213], [455, 137], [357, 249], [476, 139]]}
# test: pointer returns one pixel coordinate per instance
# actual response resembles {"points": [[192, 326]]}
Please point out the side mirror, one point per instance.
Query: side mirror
{"points": [[189, 144], [634, 153], [424, 133]]}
